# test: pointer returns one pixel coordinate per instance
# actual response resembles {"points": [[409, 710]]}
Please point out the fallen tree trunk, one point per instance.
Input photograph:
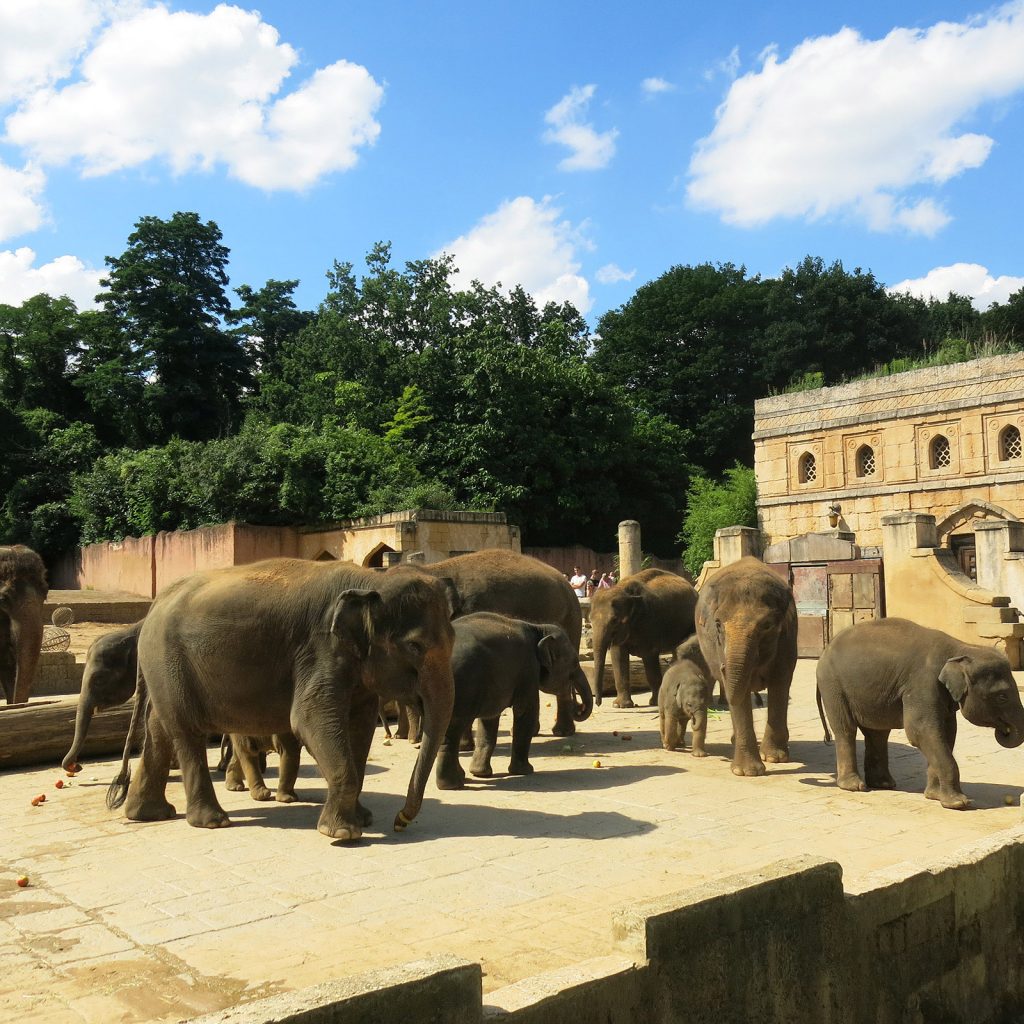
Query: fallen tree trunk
{"points": [[41, 732]]}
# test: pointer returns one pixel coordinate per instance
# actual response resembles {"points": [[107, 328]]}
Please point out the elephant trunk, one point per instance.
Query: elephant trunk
{"points": [[1009, 735], [736, 663], [438, 700], [86, 709], [584, 706]]}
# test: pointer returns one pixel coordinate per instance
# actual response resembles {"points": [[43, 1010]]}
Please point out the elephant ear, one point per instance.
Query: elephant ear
{"points": [[547, 651], [632, 607], [454, 597], [354, 618], [955, 678]]}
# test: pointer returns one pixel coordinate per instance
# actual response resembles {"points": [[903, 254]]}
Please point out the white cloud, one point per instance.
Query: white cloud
{"points": [[612, 273], [652, 86], [40, 39], [728, 66], [20, 210], [525, 242], [858, 127], [66, 275], [198, 90], [591, 150], [970, 279]]}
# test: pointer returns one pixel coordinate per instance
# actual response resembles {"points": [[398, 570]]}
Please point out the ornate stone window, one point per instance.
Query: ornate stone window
{"points": [[940, 455], [1010, 444], [808, 468], [865, 461]]}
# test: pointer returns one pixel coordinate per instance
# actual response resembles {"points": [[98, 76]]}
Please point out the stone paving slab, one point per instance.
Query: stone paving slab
{"points": [[140, 922]]}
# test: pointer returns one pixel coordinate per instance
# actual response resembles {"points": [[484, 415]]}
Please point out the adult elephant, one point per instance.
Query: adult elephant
{"points": [[894, 674], [108, 680], [287, 645], [648, 614], [22, 593], [497, 580], [746, 627]]}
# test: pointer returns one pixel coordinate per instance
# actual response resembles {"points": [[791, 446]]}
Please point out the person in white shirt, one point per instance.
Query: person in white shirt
{"points": [[578, 582]]}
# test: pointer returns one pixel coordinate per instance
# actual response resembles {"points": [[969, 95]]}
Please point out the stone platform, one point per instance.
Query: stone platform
{"points": [[145, 922]]}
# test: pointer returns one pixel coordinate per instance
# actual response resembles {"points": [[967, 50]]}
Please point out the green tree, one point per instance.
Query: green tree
{"points": [[167, 294], [713, 505], [265, 321]]}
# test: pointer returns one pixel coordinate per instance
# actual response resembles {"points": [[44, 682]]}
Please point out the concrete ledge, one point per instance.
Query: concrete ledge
{"points": [[439, 990]]}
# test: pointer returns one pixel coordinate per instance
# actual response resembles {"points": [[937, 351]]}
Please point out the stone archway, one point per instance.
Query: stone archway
{"points": [[375, 559], [956, 532], [324, 556]]}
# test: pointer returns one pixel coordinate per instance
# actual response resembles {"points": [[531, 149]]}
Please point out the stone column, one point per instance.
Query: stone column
{"points": [[1000, 552], [735, 542], [630, 556]]}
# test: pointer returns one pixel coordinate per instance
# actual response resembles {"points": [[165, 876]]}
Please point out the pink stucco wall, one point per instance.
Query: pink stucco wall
{"points": [[255, 542], [124, 566], [184, 552]]}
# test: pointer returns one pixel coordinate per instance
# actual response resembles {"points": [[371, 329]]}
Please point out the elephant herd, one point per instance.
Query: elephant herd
{"points": [[288, 653]]}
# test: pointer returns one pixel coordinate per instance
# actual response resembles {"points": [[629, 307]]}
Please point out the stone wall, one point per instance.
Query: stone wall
{"points": [[895, 420], [785, 945]]}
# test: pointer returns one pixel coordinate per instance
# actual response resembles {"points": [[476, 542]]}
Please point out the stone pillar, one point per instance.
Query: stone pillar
{"points": [[392, 558], [630, 556], [905, 532], [735, 542], [1000, 557]]}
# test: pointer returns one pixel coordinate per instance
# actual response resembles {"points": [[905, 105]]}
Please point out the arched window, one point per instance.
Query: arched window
{"points": [[1009, 444], [808, 469], [865, 460], [939, 454]]}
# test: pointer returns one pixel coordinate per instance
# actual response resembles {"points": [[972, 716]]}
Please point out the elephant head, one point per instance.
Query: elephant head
{"points": [[615, 614], [560, 673], [982, 685], [108, 680]]}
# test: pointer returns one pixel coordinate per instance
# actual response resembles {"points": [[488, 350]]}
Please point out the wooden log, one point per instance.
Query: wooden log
{"points": [[637, 675], [41, 732]]}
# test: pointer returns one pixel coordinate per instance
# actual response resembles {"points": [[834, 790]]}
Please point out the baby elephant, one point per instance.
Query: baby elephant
{"points": [[894, 674], [108, 680], [244, 767], [499, 663], [684, 697]]}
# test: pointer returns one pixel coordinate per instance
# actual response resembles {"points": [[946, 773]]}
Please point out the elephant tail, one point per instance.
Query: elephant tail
{"points": [[821, 714], [117, 792]]}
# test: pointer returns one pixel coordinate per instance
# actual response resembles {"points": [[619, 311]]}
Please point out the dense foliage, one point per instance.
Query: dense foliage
{"points": [[713, 505], [170, 406]]}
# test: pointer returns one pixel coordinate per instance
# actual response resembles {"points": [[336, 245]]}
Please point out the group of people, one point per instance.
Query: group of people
{"points": [[584, 585]]}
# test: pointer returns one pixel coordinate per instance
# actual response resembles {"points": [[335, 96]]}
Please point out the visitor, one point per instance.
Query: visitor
{"points": [[592, 583], [604, 583], [578, 582]]}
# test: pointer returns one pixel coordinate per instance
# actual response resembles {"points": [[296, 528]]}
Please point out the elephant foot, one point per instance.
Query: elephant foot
{"points": [[952, 799], [466, 744], [853, 783], [520, 768], [563, 728], [207, 817], [748, 769], [452, 781], [483, 771], [880, 781], [285, 796], [261, 793], [234, 786], [699, 752], [149, 810], [653, 702], [623, 702], [333, 826], [775, 755]]}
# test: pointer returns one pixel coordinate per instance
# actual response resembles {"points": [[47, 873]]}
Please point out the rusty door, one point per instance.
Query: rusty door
{"points": [[810, 591], [855, 593]]}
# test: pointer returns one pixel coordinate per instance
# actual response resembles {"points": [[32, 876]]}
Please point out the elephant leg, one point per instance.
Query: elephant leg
{"points": [[775, 742], [652, 669], [201, 807], [565, 723], [466, 739], [620, 670], [745, 759], [147, 799], [700, 733], [415, 715], [30, 639], [486, 740], [402, 732], [234, 777], [876, 759], [288, 769], [362, 724], [449, 773], [321, 720], [248, 765], [933, 739], [671, 734], [524, 720]]}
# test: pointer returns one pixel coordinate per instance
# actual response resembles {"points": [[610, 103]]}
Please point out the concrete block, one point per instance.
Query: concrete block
{"points": [[439, 990]]}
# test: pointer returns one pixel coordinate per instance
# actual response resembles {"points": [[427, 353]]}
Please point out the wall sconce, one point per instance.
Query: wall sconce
{"points": [[835, 510]]}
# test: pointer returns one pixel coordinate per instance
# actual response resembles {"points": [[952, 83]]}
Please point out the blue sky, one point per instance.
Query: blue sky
{"points": [[580, 149]]}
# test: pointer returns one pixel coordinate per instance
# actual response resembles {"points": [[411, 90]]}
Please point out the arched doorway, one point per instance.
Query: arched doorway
{"points": [[375, 559], [956, 532], [324, 556]]}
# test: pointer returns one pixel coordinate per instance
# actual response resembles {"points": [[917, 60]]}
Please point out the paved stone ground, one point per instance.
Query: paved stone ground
{"points": [[134, 922]]}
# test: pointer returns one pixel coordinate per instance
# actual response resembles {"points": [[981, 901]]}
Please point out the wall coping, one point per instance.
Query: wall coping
{"points": [[421, 515]]}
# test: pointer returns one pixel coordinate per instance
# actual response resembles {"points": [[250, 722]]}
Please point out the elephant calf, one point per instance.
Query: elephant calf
{"points": [[108, 680], [684, 697], [894, 674], [244, 769], [501, 663]]}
